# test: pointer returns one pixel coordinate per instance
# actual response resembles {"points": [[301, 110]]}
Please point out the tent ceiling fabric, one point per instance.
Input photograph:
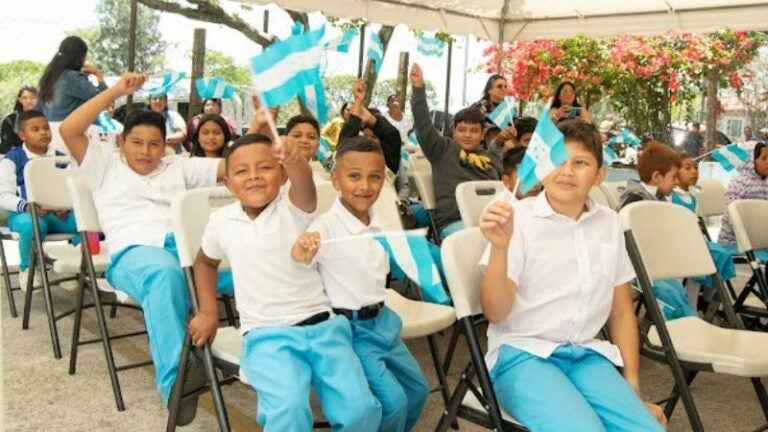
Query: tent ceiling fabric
{"points": [[529, 19]]}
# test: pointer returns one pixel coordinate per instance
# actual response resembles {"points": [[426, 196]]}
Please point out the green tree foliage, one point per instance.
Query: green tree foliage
{"points": [[13, 75], [338, 89], [223, 66]]}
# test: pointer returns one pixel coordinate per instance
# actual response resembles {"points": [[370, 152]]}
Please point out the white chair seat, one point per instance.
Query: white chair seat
{"points": [[68, 258], [735, 352], [419, 318], [122, 296], [228, 346], [471, 401]]}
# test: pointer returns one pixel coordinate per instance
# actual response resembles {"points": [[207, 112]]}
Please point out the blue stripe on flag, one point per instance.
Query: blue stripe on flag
{"points": [[412, 138], [629, 138], [545, 153], [730, 156], [405, 161], [609, 156], [376, 51], [214, 88], [324, 151], [411, 253], [313, 97], [167, 81], [503, 115], [430, 46], [342, 43], [106, 123]]}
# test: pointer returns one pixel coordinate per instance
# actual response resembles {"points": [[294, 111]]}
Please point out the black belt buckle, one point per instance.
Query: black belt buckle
{"points": [[364, 313], [314, 319]]}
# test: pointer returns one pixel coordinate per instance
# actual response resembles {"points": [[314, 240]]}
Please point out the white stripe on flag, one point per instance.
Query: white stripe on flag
{"points": [[284, 71]]}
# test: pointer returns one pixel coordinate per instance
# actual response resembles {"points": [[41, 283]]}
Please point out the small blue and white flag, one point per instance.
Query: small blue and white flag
{"points": [[405, 161], [410, 251], [730, 156], [106, 123], [162, 85], [430, 46], [412, 138], [342, 44], [313, 97], [286, 68], [609, 156], [324, 151], [214, 88], [545, 153], [376, 51], [503, 115]]}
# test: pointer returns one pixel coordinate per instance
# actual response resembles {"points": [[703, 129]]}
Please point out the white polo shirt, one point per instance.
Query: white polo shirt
{"points": [[354, 271], [271, 289], [135, 209], [566, 272]]}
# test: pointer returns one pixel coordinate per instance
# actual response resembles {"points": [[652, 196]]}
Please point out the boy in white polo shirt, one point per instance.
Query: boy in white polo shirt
{"points": [[291, 341], [355, 275], [132, 191], [556, 272]]}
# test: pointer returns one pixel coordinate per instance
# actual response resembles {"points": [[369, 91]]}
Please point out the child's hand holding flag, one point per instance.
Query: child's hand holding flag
{"points": [[306, 246]]}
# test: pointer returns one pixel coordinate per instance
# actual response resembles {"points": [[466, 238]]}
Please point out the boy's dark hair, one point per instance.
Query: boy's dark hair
{"points": [[491, 133], [26, 116], [656, 157], [525, 125], [144, 118], [512, 159], [299, 119], [684, 155], [197, 149], [245, 140], [758, 149], [584, 133], [469, 115], [356, 144]]}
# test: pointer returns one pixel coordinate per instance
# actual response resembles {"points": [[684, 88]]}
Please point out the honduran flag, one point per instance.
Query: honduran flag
{"points": [[430, 46], [286, 68], [163, 85], [545, 153], [342, 44], [324, 151], [410, 251], [313, 97], [503, 115], [106, 123], [609, 156], [214, 88], [376, 51], [730, 156]]}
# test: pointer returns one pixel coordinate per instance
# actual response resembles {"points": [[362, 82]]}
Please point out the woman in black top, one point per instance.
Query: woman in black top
{"points": [[25, 101]]}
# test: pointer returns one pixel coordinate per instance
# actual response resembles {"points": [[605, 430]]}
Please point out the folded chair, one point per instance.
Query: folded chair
{"points": [[748, 219], [6, 234], [597, 194], [473, 196], [90, 267], [612, 192], [664, 242], [473, 399]]}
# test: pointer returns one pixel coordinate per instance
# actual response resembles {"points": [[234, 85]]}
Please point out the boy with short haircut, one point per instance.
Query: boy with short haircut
{"points": [[657, 168], [525, 126], [510, 163], [454, 160], [305, 131], [35, 134], [291, 341], [132, 192], [354, 274], [556, 271]]}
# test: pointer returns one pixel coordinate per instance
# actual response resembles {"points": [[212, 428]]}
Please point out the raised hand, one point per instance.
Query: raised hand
{"points": [[496, 224], [358, 89], [417, 76], [130, 82], [288, 153], [306, 246]]}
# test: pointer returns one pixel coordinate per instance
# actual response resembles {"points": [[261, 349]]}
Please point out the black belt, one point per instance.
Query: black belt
{"points": [[364, 313], [314, 319]]}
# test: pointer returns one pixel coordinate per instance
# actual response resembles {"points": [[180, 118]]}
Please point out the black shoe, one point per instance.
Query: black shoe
{"points": [[195, 378]]}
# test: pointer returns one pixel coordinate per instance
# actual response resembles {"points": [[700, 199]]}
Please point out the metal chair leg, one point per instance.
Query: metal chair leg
{"points": [[7, 281]]}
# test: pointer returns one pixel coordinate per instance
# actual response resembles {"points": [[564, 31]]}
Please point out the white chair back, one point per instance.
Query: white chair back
{"points": [[597, 194], [711, 199], [668, 239], [86, 217], [426, 189], [748, 218], [190, 211], [612, 191], [386, 205], [46, 182], [461, 253], [420, 163], [473, 196]]}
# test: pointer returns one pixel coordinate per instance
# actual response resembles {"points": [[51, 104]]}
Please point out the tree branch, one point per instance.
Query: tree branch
{"points": [[211, 13]]}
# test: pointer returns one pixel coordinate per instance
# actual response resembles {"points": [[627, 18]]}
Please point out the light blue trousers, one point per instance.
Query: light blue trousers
{"points": [[153, 277], [21, 223], [575, 389], [451, 228], [283, 363], [393, 374]]}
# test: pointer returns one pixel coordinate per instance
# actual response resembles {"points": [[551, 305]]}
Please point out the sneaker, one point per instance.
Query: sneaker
{"points": [[24, 277], [195, 378]]}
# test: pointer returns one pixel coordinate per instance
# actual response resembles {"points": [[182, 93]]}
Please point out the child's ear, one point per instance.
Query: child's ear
{"points": [[335, 181], [655, 178], [601, 173]]}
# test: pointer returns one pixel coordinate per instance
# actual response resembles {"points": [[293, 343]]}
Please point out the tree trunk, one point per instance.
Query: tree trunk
{"points": [[198, 68], [402, 79], [711, 120], [370, 76]]}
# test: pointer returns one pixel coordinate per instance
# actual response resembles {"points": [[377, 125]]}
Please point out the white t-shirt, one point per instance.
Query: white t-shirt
{"points": [[135, 209], [403, 126], [271, 289], [354, 271], [566, 272]]}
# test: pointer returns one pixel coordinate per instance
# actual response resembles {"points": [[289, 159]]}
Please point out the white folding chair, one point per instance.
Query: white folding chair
{"points": [[612, 191], [664, 242], [474, 402], [597, 194], [6, 234], [748, 220], [473, 196], [94, 265], [426, 188], [711, 198], [46, 183]]}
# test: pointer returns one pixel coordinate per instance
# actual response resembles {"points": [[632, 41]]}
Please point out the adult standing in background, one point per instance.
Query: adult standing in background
{"points": [[175, 126], [565, 105], [25, 101], [694, 140], [395, 116], [64, 85], [493, 94]]}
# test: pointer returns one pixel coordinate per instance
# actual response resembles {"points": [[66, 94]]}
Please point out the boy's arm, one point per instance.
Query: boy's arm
{"points": [[432, 143], [302, 192], [8, 198], [390, 141], [203, 326], [73, 127], [497, 292], [622, 325], [357, 111]]}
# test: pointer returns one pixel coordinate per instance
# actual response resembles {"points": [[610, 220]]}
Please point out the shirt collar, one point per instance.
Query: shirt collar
{"points": [[352, 223], [235, 210], [30, 155], [653, 190], [541, 207], [164, 162]]}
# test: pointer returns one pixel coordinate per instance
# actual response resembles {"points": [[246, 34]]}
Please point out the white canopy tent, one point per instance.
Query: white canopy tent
{"points": [[528, 19]]}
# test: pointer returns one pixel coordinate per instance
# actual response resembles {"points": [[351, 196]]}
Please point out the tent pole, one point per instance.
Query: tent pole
{"points": [[361, 56], [447, 87]]}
